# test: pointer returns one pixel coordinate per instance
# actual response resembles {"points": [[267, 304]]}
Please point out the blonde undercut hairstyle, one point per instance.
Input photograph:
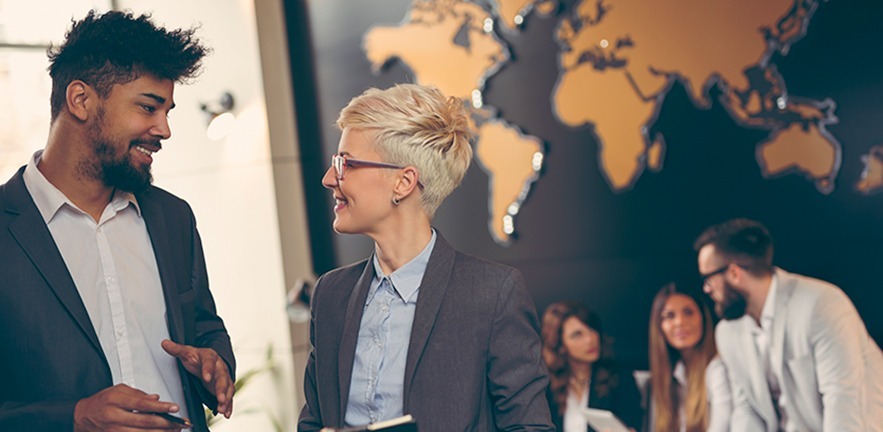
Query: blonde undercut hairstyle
{"points": [[416, 126]]}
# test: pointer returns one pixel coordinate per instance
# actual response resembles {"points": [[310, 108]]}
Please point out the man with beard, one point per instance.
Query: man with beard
{"points": [[105, 313], [797, 352]]}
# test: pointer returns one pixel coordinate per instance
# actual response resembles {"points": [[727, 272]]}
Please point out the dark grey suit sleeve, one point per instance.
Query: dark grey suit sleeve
{"points": [[517, 375], [37, 417]]}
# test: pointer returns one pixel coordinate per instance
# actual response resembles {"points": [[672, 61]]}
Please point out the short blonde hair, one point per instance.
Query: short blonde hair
{"points": [[418, 126]]}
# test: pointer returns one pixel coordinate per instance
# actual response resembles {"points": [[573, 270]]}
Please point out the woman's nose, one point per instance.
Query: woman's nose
{"points": [[329, 180]]}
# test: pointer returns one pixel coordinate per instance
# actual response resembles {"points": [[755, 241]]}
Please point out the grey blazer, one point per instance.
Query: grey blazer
{"points": [[831, 371], [474, 362], [49, 352]]}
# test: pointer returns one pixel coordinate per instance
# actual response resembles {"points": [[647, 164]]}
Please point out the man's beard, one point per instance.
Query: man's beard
{"points": [[733, 304], [117, 170]]}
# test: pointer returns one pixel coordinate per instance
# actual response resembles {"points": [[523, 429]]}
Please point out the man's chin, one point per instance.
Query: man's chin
{"points": [[129, 179]]}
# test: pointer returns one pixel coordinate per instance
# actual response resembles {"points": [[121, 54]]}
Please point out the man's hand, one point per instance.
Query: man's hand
{"points": [[114, 409], [206, 364]]}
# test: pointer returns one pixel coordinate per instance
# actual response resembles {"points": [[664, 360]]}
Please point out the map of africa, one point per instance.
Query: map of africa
{"points": [[617, 61]]}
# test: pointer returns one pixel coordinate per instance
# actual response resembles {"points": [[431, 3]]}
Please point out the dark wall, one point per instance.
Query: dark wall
{"points": [[577, 239]]}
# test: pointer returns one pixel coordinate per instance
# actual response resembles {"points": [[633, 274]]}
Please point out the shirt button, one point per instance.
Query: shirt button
{"points": [[120, 333], [110, 279]]}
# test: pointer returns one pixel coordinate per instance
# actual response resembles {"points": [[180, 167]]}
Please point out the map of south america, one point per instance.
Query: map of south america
{"points": [[451, 45]]}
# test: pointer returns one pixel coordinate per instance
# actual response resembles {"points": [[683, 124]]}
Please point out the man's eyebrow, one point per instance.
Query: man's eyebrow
{"points": [[157, 98]]}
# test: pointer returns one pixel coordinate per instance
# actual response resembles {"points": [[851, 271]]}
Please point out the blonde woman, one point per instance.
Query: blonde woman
{"points": [[418, 328], [689, 389]]}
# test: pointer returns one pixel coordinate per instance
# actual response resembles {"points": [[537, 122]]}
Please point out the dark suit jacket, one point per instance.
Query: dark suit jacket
{"points": [[474, 360], [49, 352], [622, 398]]}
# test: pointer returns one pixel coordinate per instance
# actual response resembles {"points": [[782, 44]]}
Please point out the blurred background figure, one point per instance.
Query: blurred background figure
{"points": [[582, 371], [689, 390], [798, 352]]}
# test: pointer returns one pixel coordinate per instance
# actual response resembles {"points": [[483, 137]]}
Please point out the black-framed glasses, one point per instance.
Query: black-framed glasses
{"points": [[340, 163], [706, 276]]}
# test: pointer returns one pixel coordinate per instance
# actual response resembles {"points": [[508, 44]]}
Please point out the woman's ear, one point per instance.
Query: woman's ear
{"points": [[407, 182], [77, 98]]}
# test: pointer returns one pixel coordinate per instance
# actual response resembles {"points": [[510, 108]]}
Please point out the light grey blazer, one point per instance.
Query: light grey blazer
{"points": [[831, 370], [474, 362]]}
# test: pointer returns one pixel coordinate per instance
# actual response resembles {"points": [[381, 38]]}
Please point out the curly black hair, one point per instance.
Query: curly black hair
{"points": [[115, 48]]}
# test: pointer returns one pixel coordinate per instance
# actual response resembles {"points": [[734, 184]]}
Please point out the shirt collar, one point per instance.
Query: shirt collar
{"points": [[121, 199], [406, 279], [49, 200], [680, 373], [769, 305]]}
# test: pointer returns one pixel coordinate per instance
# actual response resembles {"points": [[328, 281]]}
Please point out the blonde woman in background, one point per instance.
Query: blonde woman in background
{"points": [[689, 389], [418, 328]]}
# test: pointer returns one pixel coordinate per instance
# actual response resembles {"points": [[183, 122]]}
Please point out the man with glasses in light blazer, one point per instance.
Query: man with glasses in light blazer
{"points": [[798, 354]]}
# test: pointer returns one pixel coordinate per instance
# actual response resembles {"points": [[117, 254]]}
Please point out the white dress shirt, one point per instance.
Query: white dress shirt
{"points": [[574, 419], [717, 392], [114, 268]]}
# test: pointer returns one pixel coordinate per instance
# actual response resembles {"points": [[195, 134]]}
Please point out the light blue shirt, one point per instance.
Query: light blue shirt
{"points": [[377, 384]]}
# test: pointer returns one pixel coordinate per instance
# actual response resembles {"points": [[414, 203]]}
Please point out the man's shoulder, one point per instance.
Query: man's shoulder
{"points": [[154, 193], [165, 201], [809, 291], [12, 187], [803, 281], [727, 330]]}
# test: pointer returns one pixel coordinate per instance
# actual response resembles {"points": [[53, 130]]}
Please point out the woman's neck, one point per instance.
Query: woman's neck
{"points": [[580, 375], [401, 236], [395, 250], [688, 355]]}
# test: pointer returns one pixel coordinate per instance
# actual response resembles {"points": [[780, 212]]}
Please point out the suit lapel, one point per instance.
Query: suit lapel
{"points": [[350, 335], [432, 291], [760, 391], [158, 230], [159, 239], [32, 234], [780, 318]]}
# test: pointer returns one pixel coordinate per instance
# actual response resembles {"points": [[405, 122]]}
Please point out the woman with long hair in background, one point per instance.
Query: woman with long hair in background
{"points": [[581, 370], [689, 388]]}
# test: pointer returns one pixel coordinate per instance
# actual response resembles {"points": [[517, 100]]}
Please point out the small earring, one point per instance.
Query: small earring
{"points": [[396, 200]]}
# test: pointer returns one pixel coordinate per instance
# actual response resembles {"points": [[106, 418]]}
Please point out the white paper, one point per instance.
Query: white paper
{"points": [[604, 421]]}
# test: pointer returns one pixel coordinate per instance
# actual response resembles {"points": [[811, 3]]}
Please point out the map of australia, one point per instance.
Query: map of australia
{"points": [[625, 55], [617, 61]]}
